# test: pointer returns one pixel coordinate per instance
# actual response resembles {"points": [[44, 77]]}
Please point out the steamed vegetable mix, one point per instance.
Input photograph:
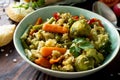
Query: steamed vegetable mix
{"points": [[67, 42]]}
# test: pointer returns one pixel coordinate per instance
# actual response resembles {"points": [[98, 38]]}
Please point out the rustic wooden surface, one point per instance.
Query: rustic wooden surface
{"points": [[13, 67]]}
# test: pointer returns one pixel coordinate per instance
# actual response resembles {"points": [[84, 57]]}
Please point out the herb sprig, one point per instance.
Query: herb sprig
{"points": [[78, 45]]}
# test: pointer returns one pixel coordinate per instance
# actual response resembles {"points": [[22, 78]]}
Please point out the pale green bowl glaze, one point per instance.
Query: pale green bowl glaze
{"points": [[47, 12]]}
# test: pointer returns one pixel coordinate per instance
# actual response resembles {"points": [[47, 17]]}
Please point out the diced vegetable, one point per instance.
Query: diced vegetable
{"points": [[75, 17], [34, 29], [43, 62], [52, 61], [94, 20], [30, 55], [56, 15], [39, 21]]}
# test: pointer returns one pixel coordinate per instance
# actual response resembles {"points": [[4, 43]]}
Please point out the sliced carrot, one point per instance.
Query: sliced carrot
{"points": [[43, 62], [39, 21], [54, 28], [52, 61], [46, 51]]}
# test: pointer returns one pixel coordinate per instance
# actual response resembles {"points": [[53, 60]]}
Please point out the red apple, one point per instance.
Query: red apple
{"points": [[116, 9]]}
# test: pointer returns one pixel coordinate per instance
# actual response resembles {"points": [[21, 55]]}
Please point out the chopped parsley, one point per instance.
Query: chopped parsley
{"points": [[80, 44]]}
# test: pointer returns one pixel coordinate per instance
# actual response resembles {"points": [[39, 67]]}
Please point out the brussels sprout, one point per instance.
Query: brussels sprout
{"points": [[80, 28], [98, 57], [83, 62], [89, 59]]}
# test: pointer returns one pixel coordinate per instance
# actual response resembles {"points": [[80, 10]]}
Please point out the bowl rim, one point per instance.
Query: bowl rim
{"points": [[60, 72]]}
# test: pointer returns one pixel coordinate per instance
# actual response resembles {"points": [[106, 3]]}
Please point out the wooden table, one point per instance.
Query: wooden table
{"points": [[13, 67]]}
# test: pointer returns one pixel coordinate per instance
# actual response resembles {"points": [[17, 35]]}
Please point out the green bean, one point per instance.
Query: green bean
{"points": [[37, 27], [24, 37], [51, 20], [24, 44], [25, 34]]}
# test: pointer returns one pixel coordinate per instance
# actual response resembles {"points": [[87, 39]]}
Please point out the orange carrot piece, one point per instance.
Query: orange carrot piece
{"points": [[39, 21], [46, 51], [43, 62], [52, 61], [54, 28]]}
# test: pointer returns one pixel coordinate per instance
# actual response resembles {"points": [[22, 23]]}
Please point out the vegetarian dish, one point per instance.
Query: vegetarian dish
{"points": [[66, 42]]}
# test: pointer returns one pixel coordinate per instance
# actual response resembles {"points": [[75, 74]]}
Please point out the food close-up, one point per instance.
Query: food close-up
{"points": [[67, 42]]}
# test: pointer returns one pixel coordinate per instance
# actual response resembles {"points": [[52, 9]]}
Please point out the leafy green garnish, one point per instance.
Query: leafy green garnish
{"points": [[75, 50], [33, 4], [26, 6], [37, 4], [40, 2], [78, 45]]}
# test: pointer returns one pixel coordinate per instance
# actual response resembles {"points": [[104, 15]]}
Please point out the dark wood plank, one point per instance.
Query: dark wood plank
{"points": [[13, 67]]}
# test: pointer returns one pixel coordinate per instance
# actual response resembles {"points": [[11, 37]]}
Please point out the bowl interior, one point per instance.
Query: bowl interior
{"points": [[47, 12]]}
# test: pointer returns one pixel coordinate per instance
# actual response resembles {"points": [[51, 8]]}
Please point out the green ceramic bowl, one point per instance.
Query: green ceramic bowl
{"points": [[46, 12]]}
